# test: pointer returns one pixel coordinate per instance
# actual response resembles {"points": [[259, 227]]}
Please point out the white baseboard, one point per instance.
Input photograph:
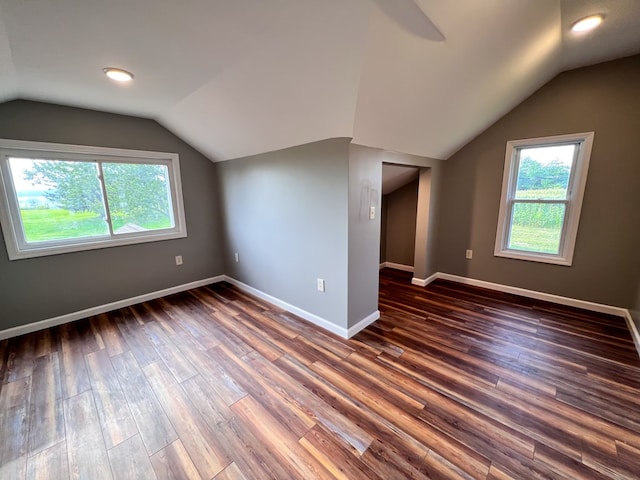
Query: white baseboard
{"points": [[107, 307], [397, 266], [315, 319], [97, 310], [633, 329], [310, 317], [547, 297], [423, 282], [362, 324]]}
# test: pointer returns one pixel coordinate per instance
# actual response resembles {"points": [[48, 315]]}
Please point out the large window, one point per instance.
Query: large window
{"points": [[542, 190], [63, 198]]}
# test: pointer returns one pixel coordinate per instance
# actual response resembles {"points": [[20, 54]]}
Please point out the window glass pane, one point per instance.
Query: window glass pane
{"points": [[58, 199], [536, 227], [139, 196], [543, 172]]}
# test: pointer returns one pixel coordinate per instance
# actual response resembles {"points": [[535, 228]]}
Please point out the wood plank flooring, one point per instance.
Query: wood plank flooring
{"points": [[452, 382]]}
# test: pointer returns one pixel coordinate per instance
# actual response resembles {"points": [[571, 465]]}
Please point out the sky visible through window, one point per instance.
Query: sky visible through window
{"points": [[18, 167], [548, 154]]}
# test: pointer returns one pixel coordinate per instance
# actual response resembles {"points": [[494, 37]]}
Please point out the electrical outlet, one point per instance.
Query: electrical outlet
{"points": [[237, 257], [469, 254], [178, 259], [321, 285]]}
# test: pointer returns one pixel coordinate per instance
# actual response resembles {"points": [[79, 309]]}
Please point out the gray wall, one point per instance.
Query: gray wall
{"points": [[45, 287], [401, 207], [365, 190], [285, 213], [606, 267]]}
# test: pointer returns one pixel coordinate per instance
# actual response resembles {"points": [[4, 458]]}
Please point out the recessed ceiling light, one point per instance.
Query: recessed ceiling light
{"points": [[118, 74], [587, 23]]}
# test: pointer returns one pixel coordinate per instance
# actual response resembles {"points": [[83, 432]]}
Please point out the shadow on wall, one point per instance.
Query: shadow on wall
{"points": [[410, 17], [369, 196], [398, 232], [457, 198]]}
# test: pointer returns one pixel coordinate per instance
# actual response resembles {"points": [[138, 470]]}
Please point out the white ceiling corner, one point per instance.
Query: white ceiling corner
{"points": [[241, 77]]}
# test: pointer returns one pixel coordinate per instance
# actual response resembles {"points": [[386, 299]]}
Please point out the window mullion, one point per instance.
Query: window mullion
{"points": [[105, 199], [540, 200]]}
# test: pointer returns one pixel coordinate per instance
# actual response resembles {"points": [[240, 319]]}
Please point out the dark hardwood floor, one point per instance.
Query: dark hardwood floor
{"points": [[452, 382]]}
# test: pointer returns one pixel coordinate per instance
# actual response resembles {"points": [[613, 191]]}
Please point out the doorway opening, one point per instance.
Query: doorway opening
{"points": [[404, 223]]}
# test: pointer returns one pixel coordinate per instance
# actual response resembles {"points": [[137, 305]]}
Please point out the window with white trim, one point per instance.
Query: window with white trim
{"points": [[542, 190], [57, 198]]}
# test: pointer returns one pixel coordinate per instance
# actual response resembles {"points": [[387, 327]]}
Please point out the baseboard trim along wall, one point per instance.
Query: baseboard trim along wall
{"points": [[315, 319], [548, 297], [633, 329], [423, 282], [89, 312], [362, 324], [397, 266], [310, 317], [107, 307]]}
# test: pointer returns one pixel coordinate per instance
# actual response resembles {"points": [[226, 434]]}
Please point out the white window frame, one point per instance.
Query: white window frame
{"points": [[11, 221], [573, 203]]}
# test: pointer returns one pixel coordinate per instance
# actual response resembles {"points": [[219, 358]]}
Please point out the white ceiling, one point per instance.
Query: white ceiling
{"points": [[240, 77]]}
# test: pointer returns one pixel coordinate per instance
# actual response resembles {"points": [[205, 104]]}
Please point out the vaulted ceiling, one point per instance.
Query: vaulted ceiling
{"points": [[240, 77]]}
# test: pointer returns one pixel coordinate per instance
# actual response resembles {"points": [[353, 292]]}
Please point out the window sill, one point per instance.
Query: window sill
{"points": [[533, 257], [89, 244]]}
